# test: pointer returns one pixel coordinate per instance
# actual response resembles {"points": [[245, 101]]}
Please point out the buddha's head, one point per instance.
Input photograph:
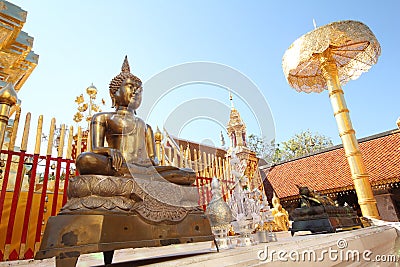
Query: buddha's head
{"points": [[126, 88], [275, 200]]}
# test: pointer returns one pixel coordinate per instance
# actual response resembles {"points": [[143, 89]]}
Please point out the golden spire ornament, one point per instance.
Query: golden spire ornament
{"points": [[89, 107], [327, 58]]}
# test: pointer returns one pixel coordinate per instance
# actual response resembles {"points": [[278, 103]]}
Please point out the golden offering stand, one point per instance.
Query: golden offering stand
{"points": [[327, 58]]}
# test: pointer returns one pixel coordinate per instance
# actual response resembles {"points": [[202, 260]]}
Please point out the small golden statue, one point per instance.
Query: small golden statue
{"points": [[281, 216]]}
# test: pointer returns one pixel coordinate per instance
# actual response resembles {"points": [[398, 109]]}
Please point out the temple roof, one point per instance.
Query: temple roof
{"points": [[17, 60], [327, 171]]}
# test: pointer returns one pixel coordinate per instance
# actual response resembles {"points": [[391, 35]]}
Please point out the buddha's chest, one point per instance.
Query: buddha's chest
{"points": [[122, 125]]}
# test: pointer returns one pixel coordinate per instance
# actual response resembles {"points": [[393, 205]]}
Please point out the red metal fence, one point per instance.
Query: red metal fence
{"points": [[33, 186], [27, 202]]}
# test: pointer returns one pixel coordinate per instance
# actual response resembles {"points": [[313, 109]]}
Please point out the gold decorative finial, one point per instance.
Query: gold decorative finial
{"points": [[91, 91], [231, 99], [125, 66], [8, 98], [90, 107], [8, 95]]}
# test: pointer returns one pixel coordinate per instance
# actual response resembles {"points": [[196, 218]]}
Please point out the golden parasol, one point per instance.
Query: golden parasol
{"points": [[327, 58]]}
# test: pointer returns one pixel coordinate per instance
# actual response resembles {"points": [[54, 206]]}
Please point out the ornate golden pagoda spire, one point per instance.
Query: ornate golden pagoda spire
{"points": [[236, 127]]}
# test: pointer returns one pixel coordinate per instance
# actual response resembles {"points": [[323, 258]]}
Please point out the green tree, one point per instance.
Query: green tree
{"points": [[304, 143], [300, 144], [264, 149], [258, 144]]}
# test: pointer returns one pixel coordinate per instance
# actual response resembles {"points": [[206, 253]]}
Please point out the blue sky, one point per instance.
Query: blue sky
{"points": [[80, 42]]}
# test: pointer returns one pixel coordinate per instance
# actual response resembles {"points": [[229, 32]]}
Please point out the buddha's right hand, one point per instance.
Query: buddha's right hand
{"points": [[116, 158]]}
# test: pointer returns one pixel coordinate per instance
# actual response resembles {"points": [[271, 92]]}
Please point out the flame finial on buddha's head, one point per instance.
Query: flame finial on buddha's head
{"points": [[125, 66], [122, 76]]}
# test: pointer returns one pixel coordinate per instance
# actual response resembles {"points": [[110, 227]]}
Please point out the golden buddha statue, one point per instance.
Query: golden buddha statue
{"points": [[121, 170], [122, 144], [121, 197], [281, 216]]}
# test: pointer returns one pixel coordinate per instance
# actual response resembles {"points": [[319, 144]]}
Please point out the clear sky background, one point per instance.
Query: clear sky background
{"points": [[80, 42]]}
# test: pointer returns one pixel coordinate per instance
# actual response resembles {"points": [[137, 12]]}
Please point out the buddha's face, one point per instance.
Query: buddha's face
{"points": [[129, 95]]}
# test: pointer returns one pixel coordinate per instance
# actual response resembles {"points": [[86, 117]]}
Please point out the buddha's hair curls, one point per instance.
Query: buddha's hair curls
{"points": [[122, 76]]}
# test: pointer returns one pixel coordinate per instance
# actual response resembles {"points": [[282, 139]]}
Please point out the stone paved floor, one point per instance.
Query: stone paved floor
{"points": [[379, 239]]}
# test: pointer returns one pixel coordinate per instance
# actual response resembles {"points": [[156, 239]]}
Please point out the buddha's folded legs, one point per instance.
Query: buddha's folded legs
{"points": [[97, 164], [92, 163]]}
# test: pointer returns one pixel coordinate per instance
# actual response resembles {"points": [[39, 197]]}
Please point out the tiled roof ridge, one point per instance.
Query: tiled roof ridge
{"points": [[361, 140]]}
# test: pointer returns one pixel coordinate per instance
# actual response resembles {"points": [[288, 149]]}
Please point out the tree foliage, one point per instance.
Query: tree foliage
{"points": [[300, 144], [304, 143], [261, 146]]}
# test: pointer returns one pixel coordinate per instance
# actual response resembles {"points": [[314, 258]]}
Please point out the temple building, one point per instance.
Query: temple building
{"points": [[328, 172]]}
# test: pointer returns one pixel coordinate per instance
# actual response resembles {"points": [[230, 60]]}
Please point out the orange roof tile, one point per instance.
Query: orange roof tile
{"points": [[329, 170]]}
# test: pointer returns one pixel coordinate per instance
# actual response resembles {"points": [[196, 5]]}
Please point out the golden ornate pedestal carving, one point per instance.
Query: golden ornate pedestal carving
{"points": [[69, 236], [105, 213]]}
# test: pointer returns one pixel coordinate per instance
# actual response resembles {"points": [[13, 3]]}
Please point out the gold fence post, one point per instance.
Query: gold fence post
{"points": [[79, 142], [181, 155], [205, 165], [196, 166], [189, 158], [170, 159], [14, 129]]}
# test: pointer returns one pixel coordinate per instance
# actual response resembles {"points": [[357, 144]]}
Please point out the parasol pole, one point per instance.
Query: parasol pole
{"points": [[359, 174]]}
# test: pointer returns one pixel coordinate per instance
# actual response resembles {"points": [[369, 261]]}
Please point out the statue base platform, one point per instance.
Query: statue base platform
{"points": [[68, 236], [324, 219]]}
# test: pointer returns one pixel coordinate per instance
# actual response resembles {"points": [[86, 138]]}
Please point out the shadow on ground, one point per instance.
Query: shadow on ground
{"points": [[152, 260]]}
